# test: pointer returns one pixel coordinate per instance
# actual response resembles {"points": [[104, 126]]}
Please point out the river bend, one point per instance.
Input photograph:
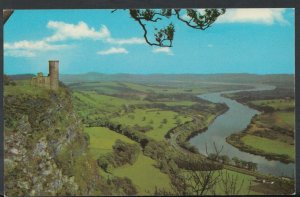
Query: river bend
{"points": [[235, 120]]}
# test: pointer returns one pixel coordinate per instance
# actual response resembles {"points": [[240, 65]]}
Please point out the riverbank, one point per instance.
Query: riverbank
{"points": [[236, 141], [182, 138], [271, 133]]}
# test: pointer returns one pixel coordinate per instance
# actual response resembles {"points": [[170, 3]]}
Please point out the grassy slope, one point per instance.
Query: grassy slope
{"points": [[285, 119], [246, 179], [153, 117], [268, 145], [24, 87], [280, 104], [144, 175], [243, 182], [102, 140]]}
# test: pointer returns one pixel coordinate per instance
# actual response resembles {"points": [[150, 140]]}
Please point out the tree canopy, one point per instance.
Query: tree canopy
{"points": [[163, 37]]}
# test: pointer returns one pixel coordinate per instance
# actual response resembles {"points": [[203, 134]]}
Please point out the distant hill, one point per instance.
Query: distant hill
{"points": [[287, 79], [21, 77]]}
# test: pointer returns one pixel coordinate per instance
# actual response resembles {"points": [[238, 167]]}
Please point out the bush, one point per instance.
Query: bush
{"points": [[124, 184], [105, 162], [125, 153]]}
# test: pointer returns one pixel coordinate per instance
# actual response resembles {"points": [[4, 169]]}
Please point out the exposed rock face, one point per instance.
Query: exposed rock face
{"points": [[37, 129]]}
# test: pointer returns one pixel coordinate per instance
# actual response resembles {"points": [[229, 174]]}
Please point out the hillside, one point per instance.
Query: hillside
{"points": [[45, 147]]}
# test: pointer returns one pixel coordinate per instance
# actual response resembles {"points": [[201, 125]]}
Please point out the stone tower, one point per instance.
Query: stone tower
{"points": [[53, 74]]}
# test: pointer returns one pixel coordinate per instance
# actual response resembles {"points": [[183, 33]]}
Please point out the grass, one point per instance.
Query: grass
{"points": [[104, 101], [24, 87], [102, 140], [277, 104], [246, 179], [178, 103], [144, 175], [153, 118], [285, 119], [268, 145], [243, 182]]}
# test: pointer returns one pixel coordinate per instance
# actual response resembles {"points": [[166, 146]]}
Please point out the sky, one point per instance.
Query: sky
{"points": [[259, 41]]}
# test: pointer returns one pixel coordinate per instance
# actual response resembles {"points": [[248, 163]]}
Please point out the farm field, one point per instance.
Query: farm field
{"points": [[271, 132], [277, 104], [144, 175], [270, 146], [102, 139], [158, 121]]}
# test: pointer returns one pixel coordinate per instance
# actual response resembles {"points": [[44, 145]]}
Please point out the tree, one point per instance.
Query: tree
{"points": [[225, 159], [230, 184], [197, 182], [163, 37]]}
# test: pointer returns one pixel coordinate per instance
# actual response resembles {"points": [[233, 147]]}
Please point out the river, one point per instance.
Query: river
{"points": [[235, 120]]}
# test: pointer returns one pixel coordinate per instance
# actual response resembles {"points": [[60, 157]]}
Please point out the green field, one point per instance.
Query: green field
{"points": [[155, 119], [104, 101], [285, 119], [277, 104], [268, 145], [24, 87], [246, 179], [144, 175], [102, 140]]}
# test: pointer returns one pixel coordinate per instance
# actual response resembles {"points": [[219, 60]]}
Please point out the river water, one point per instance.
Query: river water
{"points": [[235, 120]]}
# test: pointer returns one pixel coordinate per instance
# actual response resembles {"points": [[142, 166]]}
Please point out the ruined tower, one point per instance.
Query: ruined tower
{"points": [[53, 74], [50, 81]]}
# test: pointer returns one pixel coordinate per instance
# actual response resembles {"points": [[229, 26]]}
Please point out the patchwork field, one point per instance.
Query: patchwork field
{"points": [[270, 133], [158, 121], [144, 175], [277, 104], [102, 139], [271, 146]]}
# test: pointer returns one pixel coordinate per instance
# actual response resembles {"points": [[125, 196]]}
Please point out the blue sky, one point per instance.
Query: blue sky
{"points": [[241, 41]]}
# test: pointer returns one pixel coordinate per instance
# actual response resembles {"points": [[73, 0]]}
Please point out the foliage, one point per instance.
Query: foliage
{"points": [[125, 152], [124, 184], [144, 175], [163, 37]]}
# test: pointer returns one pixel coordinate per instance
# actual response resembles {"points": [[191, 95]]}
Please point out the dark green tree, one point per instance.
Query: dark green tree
{"points": [[164, 36]]}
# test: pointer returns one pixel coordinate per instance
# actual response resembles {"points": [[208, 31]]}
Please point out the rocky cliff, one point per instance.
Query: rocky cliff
{"points": [[45, 148]]}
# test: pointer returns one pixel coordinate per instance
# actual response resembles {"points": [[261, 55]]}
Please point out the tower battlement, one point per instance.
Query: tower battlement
{"points": [[50, 81]]}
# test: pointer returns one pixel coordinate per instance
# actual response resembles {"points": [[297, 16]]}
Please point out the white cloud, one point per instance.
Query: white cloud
{"points": [[166, 50], [64, 31], [27, 48], [19, 53], [266, 16], [67, 31], [32, 45], [113, 50], [133, 40]]}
